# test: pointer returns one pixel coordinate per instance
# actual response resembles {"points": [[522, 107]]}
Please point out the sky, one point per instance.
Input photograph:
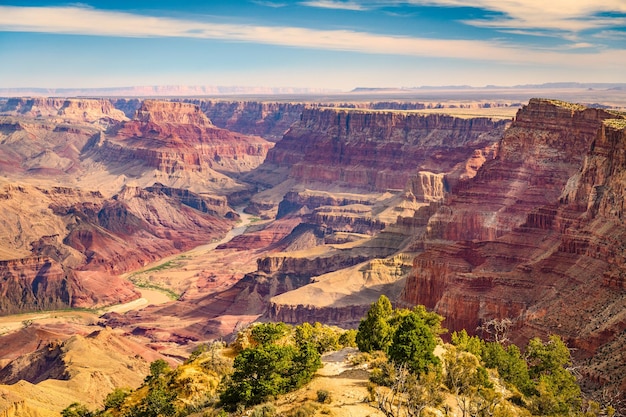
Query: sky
{"points": [[323, 44]]}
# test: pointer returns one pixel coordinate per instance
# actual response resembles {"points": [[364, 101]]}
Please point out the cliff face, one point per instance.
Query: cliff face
{"points": [[85, 110], [63, 247], [537, 155], [268, 120], [172, 137], [538, 236], [375, 150], [37, 283]]}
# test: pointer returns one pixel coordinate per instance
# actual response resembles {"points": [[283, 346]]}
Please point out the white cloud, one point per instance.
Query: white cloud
{"points": [[81, 21], [564, 15], [272, 4], [335, 4]]}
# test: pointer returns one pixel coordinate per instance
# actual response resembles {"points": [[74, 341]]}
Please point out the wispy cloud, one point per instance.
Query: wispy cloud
{"points": [[612, 35], [275, 5], [563, 15], [336, 4], [81, 21]]}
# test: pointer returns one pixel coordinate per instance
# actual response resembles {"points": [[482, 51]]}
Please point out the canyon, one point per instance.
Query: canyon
{"points": [[479, 218]]}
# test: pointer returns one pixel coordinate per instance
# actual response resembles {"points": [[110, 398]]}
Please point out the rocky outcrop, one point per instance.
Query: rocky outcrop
{"points": [[84, 110], [174, 137], [536, 235], [35, 283], [214, 205], [537, 155], [377, 150], [265, 119]]}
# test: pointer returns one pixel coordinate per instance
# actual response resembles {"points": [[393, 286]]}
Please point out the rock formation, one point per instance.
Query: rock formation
{"points": [[268, 120], [171, 136], [534, 237], [377, 150]]}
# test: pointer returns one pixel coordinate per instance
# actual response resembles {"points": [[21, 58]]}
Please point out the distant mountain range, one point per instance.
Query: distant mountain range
{"points": [[158, 91], [208, 90], [559, 85]]}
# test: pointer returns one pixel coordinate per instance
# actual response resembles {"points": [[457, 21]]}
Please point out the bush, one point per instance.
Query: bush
{"points": [[265, 410], [323, 396], [116, 398], [348, 338], [76, 410], [269, 369], [305, 410]]}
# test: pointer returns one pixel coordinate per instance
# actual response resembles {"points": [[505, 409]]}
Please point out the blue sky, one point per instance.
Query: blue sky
{"points": [[335, 44]]}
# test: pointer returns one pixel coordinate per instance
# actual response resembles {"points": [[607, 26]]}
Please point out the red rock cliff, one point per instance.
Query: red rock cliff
{"points": [[171, 136], [377, 150], [539, 236], [268, 120]]}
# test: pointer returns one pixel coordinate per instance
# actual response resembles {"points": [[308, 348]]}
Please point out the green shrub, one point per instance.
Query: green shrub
{"points": [[323, 396]]}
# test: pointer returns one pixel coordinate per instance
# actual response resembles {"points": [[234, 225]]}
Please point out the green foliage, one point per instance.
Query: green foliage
{"points": [[555, 389], [76, 410], [348, 338], [267, 333], [510, 364], [323, 396], [324, 338], [157, 368], [464, 372], [467, 343], [269, 369], [158, 403], [116, 398], [375, 332], [414, 343]]}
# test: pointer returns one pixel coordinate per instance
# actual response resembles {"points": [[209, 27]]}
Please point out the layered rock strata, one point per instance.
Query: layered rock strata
{"points": [[268, 120], [377, 150], [536, 236], [171, 137]]}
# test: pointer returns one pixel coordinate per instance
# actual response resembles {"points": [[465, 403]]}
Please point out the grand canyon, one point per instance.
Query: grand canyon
{"points": [[299, 210]]}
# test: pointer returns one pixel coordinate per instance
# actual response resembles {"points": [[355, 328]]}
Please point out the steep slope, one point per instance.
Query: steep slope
{"points": [[82, 369], [536, 236], [377, 150], [268, 120], [172, 136]]}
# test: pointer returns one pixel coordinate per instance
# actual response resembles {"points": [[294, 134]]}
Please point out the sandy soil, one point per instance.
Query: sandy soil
{"points": [[347, 386]]}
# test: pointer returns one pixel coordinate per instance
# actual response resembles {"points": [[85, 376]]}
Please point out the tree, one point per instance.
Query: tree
{"points": [[467, 343], [408, 395], [157, 368], [510, 364], [324, 338], [414, 344], [266, 333], [159, 402], [555, 390], [375, 332], [116, 398], [270, 369], [469, 383], [76, 410]]}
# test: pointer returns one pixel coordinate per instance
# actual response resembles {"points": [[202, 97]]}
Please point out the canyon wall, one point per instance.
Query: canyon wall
{"points": [[537, 235], [377, 150], [265, 119]]}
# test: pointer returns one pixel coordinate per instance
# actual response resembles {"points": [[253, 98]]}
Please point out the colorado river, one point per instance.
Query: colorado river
{"points": [[155, 297], [148, 296]]}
